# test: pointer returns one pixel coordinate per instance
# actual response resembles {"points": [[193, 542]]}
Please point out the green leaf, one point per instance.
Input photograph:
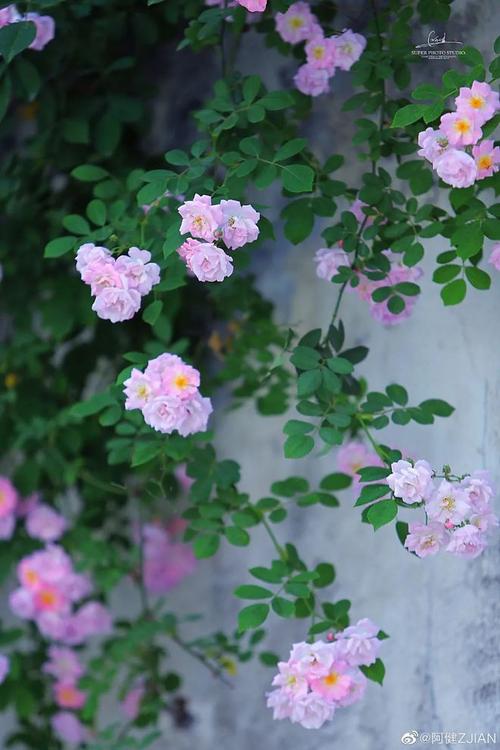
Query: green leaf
{"points": [[372, 473], [283, 607], [407, 115], [96, 211], [76, 224], [266, 574], [382, 513], [375, 672], [468, 239], [177, 157], [297, 427], [145, 451], [295, 146], [308, 382], [298, 446], [152, 312], [446, 273], [426, 91], [336, 481], [438, 407], [340, 365], [60, 246], [253, 616], [89, 172], [252, 592], [305, 358], [206, 546], [297, 178], [372, 492], [251, 87], [290, 487], [29, 77], [16, 37], [397, 393], [402, 531], [454, 292], [478, 278], [326, 575], [276, 100], [237, 536]]}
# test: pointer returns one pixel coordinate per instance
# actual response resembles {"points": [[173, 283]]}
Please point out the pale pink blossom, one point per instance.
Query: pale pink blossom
{"points": [[312, 711], [494, 258], [254, 6], [116, 304], [334, 686], [291, 679], [94, 619], [181, 380], [8, 497], [52, 625], [297, 24], [448, 503], [166, 561], [312, 81], [282, 704], [140, 273], [131, 703], [320, 53], [328, 260], [67, 695], [456, 168], [356, 690], [466, 541], [101, 274], [356, 208], [359, 643], [432, 144], [90, 253], [183, 478], [426, 539], [63, 664], [479, 101], [22, 603], [7, 526], [27, 504], [312, 659], [239, 225], [138, 390], [69, 728], [197, 410], [210, 263], [460, 129], [44, 523], [355, 455], [8, 15], [200, 218], [487, 158], [4, 667], [410, 483], [484, 521], [45, 30], [479, 490], [188, 248], [164, 413], [348, 48]]}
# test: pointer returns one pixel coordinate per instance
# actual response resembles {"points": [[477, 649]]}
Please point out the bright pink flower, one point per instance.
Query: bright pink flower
{"points": [[76, 586], [479, 102], [487, 158], [312, 711], [456, 168], [426, 539], [254, 6], [181, 381], [67, 695], [311, 80], [51, 565], [432, 144], [494, 258], [358, 644], [210, 263], [45, 30], [466, 541], [4, 667], [411, 484], [117, 305], [69, 728], [45, 523], [460, 129], [50, 598], [335, 685], [131, 704], [63, 664], [8, 497], [348, 48], [239, 224], [448, 503], [182, 477], [297, 24], [328, 260], [320, 53], [200, 218], [8, 15], [52, 625], [7, 526], [138, 390]]}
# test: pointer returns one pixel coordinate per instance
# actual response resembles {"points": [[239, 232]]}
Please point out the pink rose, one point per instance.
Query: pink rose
{"points": [[45, 30], [8, 497], [45, 523], [69, 728], [239, 224], [426, 539], [411, 484], [254, 6], [494, 258], [456, 168], [348, 48], [320, 54], [460, 129], [487, 158], [116, 304], [210, 263], [328, 260], [479, 102], [467, 542], [297, 24], [432, 144], [450, 502], [311, 80], [200, 218]]}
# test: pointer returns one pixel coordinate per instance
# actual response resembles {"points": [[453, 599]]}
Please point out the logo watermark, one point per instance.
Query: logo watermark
{"points": [[449, 738], [438, 47]]}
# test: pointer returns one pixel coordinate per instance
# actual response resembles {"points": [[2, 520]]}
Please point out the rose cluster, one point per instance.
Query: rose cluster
{"points": [[323, 54], [320, 677], [229, 221], [166, 560], [49, 589], [118, 284], [168, 396], [458, 512], [455, 149], [66, 668], [45, 25], [41, 521]]}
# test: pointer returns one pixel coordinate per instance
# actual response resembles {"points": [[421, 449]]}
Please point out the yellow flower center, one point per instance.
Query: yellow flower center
{"points": [[31, 577], [318, 53], [355, 467], [485, 162], [47, 598], [296, 22], [143, 391], [198, 222], [448, 503], [331, 679], [181, 382], [463, 126], [476, 102], [3, 498]]}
